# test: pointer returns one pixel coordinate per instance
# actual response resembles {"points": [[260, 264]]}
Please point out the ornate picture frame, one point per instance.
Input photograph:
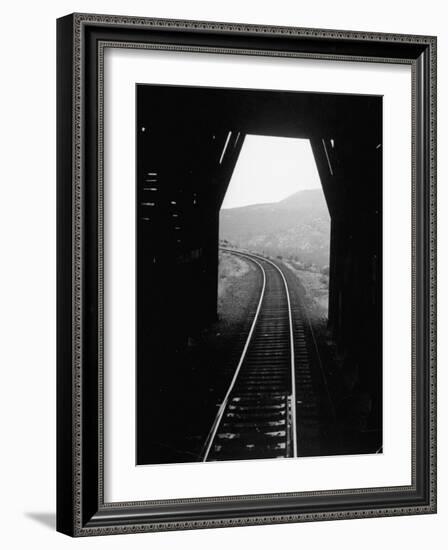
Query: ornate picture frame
{"points": [[82, 509]]}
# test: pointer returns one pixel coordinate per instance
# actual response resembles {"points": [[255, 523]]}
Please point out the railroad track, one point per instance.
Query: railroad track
{"points": [[271, 388]]}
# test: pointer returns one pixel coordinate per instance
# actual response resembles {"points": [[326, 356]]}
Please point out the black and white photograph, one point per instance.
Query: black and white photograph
{"points": [[258, 274]]}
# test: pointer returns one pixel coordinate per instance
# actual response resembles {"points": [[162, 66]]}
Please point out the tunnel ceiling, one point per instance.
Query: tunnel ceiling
{"points": [[276, 113]]}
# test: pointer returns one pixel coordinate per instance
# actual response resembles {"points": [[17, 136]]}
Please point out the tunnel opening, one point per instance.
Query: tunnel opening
{"points": [[275, 206]]}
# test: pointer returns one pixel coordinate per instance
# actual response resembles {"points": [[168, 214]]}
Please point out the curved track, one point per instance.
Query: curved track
{"points": [[257, 417]]}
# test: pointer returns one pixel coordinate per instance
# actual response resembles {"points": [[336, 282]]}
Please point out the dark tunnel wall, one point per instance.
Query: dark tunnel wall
{"points": [[180, 183], [350, 172], [181, 133]]}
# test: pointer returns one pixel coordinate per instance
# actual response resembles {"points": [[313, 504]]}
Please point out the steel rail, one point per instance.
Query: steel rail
{"points": [[210, 438], [292, 350], [223, 406]]}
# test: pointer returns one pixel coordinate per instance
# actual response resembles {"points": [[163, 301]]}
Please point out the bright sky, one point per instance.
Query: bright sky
{"points": [[270, 169]]}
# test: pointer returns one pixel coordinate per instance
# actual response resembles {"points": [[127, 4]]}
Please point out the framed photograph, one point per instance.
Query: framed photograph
{"points": [[246, 274]]}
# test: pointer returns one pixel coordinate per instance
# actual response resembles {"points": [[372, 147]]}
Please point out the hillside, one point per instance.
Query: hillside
{"points": [[297, 227]]}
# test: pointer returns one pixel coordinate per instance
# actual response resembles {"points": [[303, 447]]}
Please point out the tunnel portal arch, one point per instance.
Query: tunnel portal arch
{"points": [[188, 143]]}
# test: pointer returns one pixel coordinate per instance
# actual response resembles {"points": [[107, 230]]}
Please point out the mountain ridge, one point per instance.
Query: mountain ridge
{"points": [[297, 227]]}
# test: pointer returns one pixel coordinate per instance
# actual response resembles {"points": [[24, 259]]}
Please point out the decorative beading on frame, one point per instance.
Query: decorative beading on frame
{"points": [[251, 28], [433, 277], [76, 277]]}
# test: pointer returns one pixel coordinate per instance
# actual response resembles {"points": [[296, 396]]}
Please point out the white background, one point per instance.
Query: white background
{"points": [[27, 218]]}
